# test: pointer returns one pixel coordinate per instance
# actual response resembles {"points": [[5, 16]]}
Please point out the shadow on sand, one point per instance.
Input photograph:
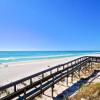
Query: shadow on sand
{"points": [[69, 91]]}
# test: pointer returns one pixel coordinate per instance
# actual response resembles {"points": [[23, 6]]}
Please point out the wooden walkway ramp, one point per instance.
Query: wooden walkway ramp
{"points": [[30, 87]]}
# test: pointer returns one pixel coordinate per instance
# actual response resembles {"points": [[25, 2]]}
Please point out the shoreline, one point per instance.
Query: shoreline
{"points": [[18, 70], [44, 58], [40, 59], [37, 60]]}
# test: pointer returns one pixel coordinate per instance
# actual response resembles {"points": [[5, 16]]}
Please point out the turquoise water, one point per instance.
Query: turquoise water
{"points": [[19, 56]]}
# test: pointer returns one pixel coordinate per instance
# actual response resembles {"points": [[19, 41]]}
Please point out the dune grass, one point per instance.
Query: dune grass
{"points": [[88, 92]]}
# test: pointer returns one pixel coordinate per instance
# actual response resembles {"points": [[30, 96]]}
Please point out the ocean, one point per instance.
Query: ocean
{"points": [[21, 56]]}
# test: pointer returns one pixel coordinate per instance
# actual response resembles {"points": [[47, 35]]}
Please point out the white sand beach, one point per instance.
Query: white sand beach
{"points": [[13, 71]]}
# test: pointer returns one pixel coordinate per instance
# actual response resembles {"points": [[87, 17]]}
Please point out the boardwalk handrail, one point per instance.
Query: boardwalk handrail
{"points": [[34, 75], [77, 61]]}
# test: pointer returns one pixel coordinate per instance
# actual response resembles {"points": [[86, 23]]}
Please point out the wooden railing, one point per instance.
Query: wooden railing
{"points": [[40, 82]]}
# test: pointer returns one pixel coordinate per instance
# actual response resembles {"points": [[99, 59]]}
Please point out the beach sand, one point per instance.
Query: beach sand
{"points": [[14, 71]]}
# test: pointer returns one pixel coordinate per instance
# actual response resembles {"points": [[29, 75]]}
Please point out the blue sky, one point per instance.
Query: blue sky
{"points": [[49, 24]]}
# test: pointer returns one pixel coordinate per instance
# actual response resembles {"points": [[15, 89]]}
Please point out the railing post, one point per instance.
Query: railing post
{"points": [[52, 87], [85, 70], [72, 78], [42, 79], [30, 81], [79, 72], [63, 69], [24, 94], [91, 66], [41, 87], [57, 69], [14, 88], [67, 78], [52, 90]]}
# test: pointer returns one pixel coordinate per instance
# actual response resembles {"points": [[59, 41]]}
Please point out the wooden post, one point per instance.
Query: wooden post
{"points": [[41, 87], [30, 81], [91, 66], [85, 70], [79, 73], [24, 94], [57, 71], [14, 88], [67, 80], [63, 69], [72, 73], [72, 78], [52, 87], [52, 90], [42, 79]]}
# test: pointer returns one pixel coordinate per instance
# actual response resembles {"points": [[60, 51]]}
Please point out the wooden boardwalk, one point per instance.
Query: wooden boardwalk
{"points": [[38, 83]]}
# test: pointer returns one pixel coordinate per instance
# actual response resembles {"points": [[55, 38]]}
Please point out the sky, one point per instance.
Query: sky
{"points": [[49, 25]]}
